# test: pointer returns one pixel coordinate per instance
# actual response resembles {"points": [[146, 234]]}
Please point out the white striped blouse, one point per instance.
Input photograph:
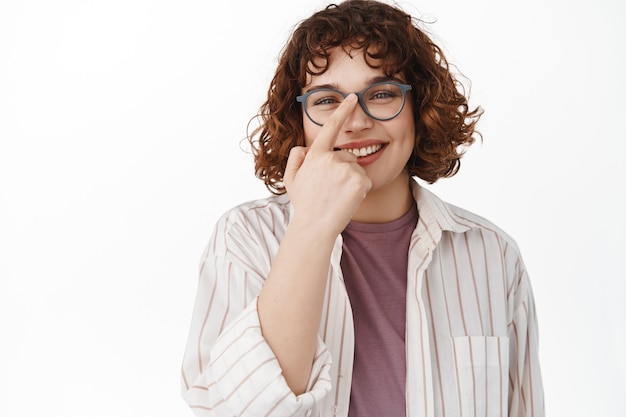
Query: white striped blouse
{"points": [[471, 330]]}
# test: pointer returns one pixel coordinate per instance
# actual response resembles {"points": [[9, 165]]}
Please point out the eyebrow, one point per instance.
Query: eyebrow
{"points": [[368, 82]]}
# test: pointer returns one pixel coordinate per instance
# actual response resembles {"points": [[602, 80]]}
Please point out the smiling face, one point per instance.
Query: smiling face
{"points": [[383, 147]]}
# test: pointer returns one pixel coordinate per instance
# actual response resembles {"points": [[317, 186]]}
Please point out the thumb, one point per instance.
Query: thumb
{"points": [[294, 162]]}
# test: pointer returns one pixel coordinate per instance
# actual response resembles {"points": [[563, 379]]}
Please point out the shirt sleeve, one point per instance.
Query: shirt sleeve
{"points": [[228, 368], [525, 383]]}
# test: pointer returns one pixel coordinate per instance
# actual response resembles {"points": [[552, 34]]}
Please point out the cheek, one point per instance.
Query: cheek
{"points": [[409, 121], [405, 126], [310, 131], [408, 117]]}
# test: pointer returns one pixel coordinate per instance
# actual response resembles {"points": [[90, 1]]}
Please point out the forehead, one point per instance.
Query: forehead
{"points": [[343, 66]]}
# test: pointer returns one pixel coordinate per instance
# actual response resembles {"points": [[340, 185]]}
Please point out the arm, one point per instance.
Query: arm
{"points": [[228, 368], [290, 309], [526, 388], [326, 188], [251, 356]]}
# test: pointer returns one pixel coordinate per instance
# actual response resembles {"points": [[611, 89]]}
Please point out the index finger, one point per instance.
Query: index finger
{"points": [[327, 136]]}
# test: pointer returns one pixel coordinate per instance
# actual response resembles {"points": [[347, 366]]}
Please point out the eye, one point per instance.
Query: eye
{"points": [[327, 100], [381, 94]]}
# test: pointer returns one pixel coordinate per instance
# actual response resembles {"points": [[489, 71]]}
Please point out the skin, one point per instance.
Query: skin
{"points": [[328, 188], [390, 195]]}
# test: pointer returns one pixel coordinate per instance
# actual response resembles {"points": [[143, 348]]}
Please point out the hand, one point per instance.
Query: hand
{"points": [[325, 186]]}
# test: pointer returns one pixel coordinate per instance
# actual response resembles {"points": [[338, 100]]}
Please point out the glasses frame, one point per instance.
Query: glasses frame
{"points": [[403, 87]]}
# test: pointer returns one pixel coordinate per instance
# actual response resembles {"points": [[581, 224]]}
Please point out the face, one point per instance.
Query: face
{"points": [[391, 141]]}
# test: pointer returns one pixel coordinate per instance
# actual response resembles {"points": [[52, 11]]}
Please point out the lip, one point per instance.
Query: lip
{"points": [[369, 159]]}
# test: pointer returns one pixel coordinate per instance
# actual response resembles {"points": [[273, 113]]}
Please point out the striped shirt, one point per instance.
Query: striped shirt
{"points": [[471, 330]]}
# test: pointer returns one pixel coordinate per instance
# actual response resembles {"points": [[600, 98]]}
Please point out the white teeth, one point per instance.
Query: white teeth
{"points": [[368, 150]]}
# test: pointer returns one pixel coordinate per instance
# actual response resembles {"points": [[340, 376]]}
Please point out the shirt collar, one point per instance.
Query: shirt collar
{"points": [[436, 214]]}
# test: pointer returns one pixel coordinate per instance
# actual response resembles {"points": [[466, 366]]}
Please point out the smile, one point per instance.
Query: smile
{"points": [[365, 151]]}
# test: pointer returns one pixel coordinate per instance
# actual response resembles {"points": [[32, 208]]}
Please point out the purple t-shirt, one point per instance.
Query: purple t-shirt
{"points": [[374, 265]]}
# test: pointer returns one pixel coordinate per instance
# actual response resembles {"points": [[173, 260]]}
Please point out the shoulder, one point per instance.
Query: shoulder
{"points": [[487, 246], [275, 206], [495, 247], [442, 217], [256, 222], [479, 223]]}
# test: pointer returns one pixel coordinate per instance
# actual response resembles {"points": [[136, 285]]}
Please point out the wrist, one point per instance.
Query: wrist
{"points": [[317, 231]]}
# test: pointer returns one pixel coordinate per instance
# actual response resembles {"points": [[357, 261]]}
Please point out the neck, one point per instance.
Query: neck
{"points": [[387, 203]]}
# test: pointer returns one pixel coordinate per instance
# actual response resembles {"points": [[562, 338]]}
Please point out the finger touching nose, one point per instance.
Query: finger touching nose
{"points": [[357, 120], [327, 135]]}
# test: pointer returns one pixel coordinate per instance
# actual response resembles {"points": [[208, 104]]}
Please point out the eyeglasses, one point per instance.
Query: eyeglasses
{"points": [[380, 101]]}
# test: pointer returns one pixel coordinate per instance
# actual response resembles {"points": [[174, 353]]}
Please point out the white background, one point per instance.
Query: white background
{"points": [[121, 128]]}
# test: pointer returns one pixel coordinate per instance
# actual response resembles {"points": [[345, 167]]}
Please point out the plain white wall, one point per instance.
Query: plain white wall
{"points": [[121, 127]]}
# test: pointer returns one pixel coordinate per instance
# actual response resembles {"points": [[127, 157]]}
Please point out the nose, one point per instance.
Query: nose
{"points": [[358, 120]]}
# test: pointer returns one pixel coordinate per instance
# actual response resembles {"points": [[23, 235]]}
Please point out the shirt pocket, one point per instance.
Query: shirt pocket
{"points": [[482, 368]]}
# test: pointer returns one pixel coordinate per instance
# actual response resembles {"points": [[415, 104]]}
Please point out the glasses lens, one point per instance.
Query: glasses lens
{"points": [[322, 103], [383, 101]]}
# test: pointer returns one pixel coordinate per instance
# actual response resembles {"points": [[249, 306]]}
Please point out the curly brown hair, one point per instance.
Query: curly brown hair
{"points": [[443, 120]]}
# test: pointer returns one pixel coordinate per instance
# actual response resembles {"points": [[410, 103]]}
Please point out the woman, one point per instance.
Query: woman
{"points": [[353, 291]]}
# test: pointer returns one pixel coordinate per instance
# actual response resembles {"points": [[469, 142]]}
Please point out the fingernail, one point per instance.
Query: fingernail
{"points": [[351, 97]]}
